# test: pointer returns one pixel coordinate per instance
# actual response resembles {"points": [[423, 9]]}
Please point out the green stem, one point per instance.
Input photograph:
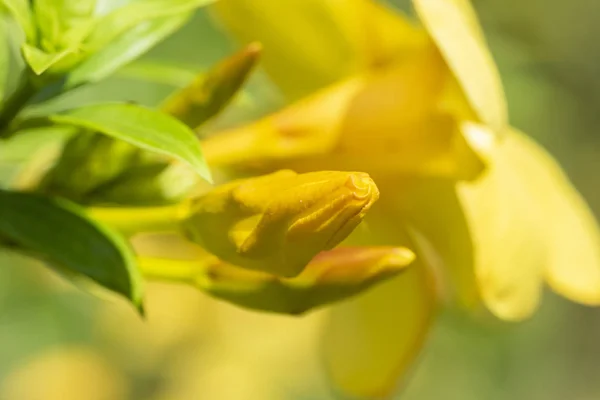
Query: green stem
{"points": [[130, 221], [24, 92], [184, 271]]}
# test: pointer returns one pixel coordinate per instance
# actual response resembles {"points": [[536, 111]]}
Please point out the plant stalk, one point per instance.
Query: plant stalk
{"points": [[183, 271], [132, 220], [24, 92]]}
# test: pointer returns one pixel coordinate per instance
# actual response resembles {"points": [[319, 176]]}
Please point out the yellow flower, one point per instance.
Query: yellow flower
{"points": [[262, 242], [529, 225], [423, 112]]}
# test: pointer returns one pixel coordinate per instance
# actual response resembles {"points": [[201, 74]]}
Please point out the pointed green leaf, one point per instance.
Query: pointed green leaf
{"points": [[209, 93], [60, 232], [143, 127], [40, 61], [21, 12], [124, 18], [47, 19], [62, 23], [124, 49]]}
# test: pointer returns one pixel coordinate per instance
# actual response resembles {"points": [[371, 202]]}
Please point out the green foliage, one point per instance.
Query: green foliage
{"points": [[59, 232], [140, 126], [124, 49], [40, 61], [117, 153], [124, 18], [21, 12]]}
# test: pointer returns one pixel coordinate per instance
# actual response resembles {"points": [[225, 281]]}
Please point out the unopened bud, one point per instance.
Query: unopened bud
{"points": [[277, 223], [331, 276], [209, 93]]}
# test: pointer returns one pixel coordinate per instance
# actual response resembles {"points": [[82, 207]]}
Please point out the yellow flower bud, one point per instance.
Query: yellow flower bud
{"points": [[330, 276], [210, 92], [277, 223]]}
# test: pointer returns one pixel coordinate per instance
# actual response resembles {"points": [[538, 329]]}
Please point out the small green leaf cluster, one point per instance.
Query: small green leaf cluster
{"points": [[108, 153]]}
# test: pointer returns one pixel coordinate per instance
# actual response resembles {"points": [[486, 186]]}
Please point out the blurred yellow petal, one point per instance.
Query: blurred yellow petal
{"points": [[454, 26], [65, 373], [432, 208], [386, 122], [309, 127], [508, 225], [249, 356], [308, 43], [331, 276], [388, 35], [277, 223], [372, 340], [572, 263]]}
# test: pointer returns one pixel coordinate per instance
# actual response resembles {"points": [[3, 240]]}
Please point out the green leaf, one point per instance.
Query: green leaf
{"points": [[40, 61], [124, 49], [61, 233], [46, 14], [62, 23], [209, 93], [143, 127], [124, 18], [21, 12]]}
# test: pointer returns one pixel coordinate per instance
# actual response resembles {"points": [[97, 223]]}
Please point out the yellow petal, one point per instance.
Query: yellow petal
{"points": [[454, 26], [386, 122], [308, 43], [432, 208], [507, 224], [388, 35], [307, 128], [372, 340], [572, 266]]}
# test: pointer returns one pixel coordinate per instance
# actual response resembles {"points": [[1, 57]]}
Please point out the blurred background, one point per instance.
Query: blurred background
{"points": [[57, 342]]}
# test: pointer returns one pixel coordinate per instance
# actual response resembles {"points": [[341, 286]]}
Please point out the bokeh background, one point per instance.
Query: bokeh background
{"points": [[57, 342]]}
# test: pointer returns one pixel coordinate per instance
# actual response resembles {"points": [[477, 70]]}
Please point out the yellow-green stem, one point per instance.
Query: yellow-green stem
{"points": [[170, 270], [130, 221]]}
